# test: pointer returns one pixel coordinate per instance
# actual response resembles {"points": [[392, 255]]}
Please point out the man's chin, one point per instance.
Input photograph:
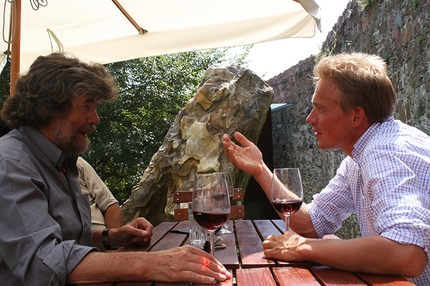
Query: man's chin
{"points": [[322, 146], [76, 149]]}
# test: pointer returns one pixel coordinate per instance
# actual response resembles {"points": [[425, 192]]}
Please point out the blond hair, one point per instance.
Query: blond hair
{"points": [[363, 81]]}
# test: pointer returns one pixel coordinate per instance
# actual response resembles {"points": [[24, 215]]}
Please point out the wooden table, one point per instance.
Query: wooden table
{"points": [[244, 257]]}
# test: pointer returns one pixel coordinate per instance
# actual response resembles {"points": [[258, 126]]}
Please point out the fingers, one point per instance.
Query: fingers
{"points": [[238, 136], [275, 241], [267, 243], [241, 139], [226, 138], [226, 144], [141, 240], [197, 266], [206, 256], [131, 234], [231, 149], [273, 247], [142, 223], [142, 227]]}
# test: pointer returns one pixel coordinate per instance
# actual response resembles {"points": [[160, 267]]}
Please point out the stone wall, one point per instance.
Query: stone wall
{"points": [[394, 29]]}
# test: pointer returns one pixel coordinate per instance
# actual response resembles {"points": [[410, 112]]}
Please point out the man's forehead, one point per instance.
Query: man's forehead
{"points": [[84, 99]]}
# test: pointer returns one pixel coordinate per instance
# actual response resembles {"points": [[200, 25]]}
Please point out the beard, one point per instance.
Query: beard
{"points": [[65, 137]]}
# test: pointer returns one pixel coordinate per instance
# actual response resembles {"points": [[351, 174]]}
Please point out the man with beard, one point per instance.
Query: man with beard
{"points": [[45, 226]]}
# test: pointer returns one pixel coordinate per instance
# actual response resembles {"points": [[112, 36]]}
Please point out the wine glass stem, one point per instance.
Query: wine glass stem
{"points": [[212, 241], [287, 222]]}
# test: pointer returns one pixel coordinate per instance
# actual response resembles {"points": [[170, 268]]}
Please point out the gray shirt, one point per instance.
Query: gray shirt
{"points": [[45, 225]]}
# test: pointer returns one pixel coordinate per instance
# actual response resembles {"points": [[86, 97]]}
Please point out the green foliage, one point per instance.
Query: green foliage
{"points": [[4, 82], [132, 128]]}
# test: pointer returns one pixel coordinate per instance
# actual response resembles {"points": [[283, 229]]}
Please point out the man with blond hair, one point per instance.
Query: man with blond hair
{"points": [[385, 179]]}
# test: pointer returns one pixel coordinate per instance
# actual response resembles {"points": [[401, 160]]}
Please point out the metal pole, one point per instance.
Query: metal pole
{"points": [[125, 13], [16, 45]]}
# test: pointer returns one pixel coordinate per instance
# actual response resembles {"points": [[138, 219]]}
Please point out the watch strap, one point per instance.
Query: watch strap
{"points": [[105, 239]]}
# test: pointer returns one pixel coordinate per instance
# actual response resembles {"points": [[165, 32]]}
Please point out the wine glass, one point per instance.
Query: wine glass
{"points": [[287, 192], [229, 178], [211, 203]]}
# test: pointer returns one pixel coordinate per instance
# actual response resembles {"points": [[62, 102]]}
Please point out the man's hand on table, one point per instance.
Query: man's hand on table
{"points": [[283, 247], [187, 263], [138, 231]]}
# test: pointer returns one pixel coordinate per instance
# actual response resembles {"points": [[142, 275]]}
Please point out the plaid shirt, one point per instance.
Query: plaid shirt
{"points": [[387, 184]]}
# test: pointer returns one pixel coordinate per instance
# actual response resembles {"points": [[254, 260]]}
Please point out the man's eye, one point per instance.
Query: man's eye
{"points": [[84, 108]]}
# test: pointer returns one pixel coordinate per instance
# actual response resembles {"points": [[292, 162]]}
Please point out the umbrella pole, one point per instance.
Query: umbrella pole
{"points": [[16, 45], [125, 13]]}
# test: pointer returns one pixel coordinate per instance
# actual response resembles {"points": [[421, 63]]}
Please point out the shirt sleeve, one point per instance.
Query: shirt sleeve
{"points": [[97, 189], [31, 241], [333, 204], [397, 196]]}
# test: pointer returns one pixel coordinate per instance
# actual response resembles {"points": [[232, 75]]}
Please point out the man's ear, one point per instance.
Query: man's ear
{"points": [[359, 116]]}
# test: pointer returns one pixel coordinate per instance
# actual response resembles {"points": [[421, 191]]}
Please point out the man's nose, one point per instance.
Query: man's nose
{"points": [[93, 118], [311, 119]]}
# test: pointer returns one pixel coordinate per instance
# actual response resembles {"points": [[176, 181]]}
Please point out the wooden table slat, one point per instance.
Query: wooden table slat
{"points": [[293, 276], [157, 235], [379, 280], [161, 230], [169, 241], [250, 246], [254, 277], [336, 277], [266, 228], [184, 226], [228, 256], [280, 224]]}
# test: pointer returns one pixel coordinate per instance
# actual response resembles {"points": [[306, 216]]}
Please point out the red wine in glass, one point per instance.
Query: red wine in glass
{"points": [[287, 192], [287, 207], [211, 204], [210, 221]]}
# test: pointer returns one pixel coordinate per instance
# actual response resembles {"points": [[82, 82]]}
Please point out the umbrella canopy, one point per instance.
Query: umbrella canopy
{"points": [[97, 30]]}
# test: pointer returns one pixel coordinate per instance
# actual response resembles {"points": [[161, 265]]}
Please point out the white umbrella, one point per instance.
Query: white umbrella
{"points": [[97, 30]]}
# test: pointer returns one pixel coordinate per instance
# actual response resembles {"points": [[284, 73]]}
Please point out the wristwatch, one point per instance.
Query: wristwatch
{"points": [[105, 239]]}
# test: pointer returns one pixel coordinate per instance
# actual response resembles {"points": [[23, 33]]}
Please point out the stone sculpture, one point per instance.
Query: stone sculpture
{"points": [[229, 99]]}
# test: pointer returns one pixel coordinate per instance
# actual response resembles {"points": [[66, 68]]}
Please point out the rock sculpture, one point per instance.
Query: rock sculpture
{"points": [[229, 99]]}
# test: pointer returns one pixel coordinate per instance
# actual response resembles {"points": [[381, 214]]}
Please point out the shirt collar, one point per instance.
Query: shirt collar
{"points": [[364, 139], [49, 149]]}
